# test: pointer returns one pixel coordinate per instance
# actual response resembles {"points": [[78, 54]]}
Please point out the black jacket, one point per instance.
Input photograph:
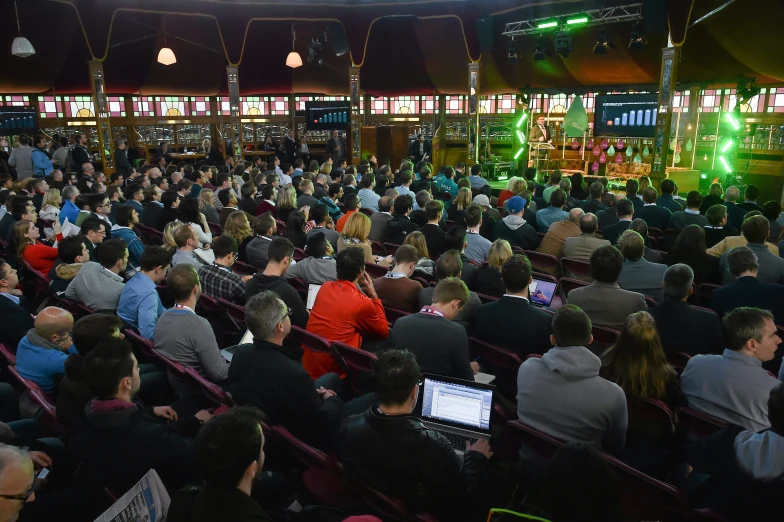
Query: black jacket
{"points": [[488, 281], [750, 291], [80, 155], [524, 237], [448, 357], [654, 215], [708, 201], [532, 335], [705, 268], [749, 207], [151, 215], [398, 228], [248, 205], [683, 328], [734, 215], [261, 283], [592, 205], [121, 445], [435, 238], [17, 321], [607, 217], [614, 232], [714, 236], [668, 202], [214, 503], [121, 163], [468, 275], [72, 392], [399, 456], [167, 216], [272, 378]]}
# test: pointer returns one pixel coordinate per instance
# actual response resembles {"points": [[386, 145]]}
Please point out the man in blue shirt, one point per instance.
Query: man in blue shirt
{"points": [[446, 182], [140, 306], [476, 179], [69, 210], [41, 354], [555, 212]]}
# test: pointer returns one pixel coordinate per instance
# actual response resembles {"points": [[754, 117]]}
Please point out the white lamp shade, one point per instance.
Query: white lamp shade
{"points": [[294, 60], [166, 56], [22, 47]]}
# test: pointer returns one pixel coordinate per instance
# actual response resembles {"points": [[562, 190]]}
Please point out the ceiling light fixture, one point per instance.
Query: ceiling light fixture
{"points": [[637, 41], [512, 53], [602, 43], [541, 52], [293, 60], [166, 55], [564, 44], [314, 52], [21, 46]]}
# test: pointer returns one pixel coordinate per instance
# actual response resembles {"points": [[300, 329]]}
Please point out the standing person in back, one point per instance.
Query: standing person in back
{"points": [[396, 289], [639, 274], [514, 227], [561, 393], [733, 386], [683, 327], [656, 216], [343, 313], [415, 333], [771, 267], [690, 215], [605, 302]]}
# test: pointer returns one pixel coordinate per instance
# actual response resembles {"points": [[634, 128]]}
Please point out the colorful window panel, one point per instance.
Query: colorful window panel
{"points": [[252, 106], [224, 107], [200, 106], [486, 105], [776, 100], [79, 106], [730, 99], [556, 103], [299, 102], [429, 104], [17, 101], [589, 101], [455, 104], [143, 106], [537, 102], [710, 99], [278, 105], [50, 107], [680, 102], [505, 103], [379, 105], [405, 105], [116, 106], [172, 106]]}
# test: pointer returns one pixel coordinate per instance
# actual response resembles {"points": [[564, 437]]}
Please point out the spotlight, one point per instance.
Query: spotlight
{"points": [[564, 44], [637, 41], [512, 53], [541, 52], [602, 43], [747, 89], [314, 52]]}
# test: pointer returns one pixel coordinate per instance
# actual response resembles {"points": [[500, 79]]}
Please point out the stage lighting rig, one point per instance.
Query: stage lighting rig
{"points": [[314, 52], [541, 52]]}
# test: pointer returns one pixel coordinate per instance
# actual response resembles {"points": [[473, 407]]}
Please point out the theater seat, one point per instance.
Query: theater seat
{"points": [[41, 398], [697, 425]]}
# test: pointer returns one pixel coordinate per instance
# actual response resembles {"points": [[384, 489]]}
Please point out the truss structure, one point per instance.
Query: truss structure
{"points": [[604, 16]]}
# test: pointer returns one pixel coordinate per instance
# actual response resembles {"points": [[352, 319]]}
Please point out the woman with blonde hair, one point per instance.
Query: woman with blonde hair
{"points": [[40, 255], [238, 227], [286, 202], [168, 235], [459, 204], [488, 278], [50, 209], [325, 169], [637, 363], [645, 182], [207, 206], [425, 264], [509, 191], [355, 234]]}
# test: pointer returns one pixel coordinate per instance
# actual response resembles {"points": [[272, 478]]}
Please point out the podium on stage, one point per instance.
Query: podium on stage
{"points": [[542, 150]]}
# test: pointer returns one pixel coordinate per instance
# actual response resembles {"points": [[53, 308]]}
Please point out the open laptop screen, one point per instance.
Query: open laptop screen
{"points": [[542, 292], [463, 405]]}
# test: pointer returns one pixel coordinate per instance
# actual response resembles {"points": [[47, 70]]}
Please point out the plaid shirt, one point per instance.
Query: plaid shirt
{"points": [[220, 282]]}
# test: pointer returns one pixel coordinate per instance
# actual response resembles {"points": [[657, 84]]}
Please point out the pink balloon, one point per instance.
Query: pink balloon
{"points": [[597, 150], [590, 143], [595, 167], [603, 158], [575, 144], [621, 144], [605, 144], [618, 158]]}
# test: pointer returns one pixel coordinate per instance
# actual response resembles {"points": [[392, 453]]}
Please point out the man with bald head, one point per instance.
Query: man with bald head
{"points": [[379, 220], [16, 481], [582, 246], [41, 354], [734, 212]]}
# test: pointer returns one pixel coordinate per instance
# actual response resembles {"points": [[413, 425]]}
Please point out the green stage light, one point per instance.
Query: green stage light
{"points": [[549, 24], [523, 117], [703, 176], [726, 164], [519, 153], [733, 120], [577, 20], [727, 146], [520, 137]]}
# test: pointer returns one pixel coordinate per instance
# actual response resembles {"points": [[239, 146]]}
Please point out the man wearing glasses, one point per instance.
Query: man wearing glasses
{"points": [[16, 482], [100, 207]]}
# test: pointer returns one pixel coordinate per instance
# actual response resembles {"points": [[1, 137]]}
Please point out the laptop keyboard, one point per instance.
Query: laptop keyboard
{"points": [[458, 442], [230, 349]]}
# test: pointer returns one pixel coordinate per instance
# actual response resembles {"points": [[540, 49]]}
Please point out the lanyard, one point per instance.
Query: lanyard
{"points": [[183, 307], [430, 311]]}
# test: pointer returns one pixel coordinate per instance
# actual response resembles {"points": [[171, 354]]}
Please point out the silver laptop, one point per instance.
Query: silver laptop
{"points": [[459, 410], [228, 353]]}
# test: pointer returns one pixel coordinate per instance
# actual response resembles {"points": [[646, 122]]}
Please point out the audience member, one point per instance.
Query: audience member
{"points": [[553, 241], [187, 242], [424, 266], [19, 475], [319, 266], [450, 264], [457, 239], [733, 386], [380, 220], [684, 328], [40, 255], [605, 302], [772, 212], [639, 274], [343, 313], [735, 214], [493, 319], [554, 213], [770, 267], [41, 354], [323, 223], [488, 278], [583, 246], [609, 215], [561, 393], [641, 227], [400, 225], [477, 247], [140, 306], [396, 289], [625, 210], [731, 241], [99, 286], [269, 374], [171, 202], [217, 279], [715, 197], [690, 249], [655, 216], [13, 307], [594, 204], [690, 215], [666, 200], [238, 227], [391, 450], [265, 228], [435, 237], [514, 228]]}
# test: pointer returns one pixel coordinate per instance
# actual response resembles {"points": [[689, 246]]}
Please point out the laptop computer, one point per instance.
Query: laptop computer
{"points": [[228, 353], [313, 291], [460, 410], [542, 292]]}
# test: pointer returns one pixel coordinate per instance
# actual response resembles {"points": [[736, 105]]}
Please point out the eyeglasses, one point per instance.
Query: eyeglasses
{"points": [[22, 497], [288, 313]]}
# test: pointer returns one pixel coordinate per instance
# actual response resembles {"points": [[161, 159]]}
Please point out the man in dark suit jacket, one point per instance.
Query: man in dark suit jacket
{"points": [[735, 214], [682, 327], [625, 210], [691, 215], [666, 200], [420, 150], [608, 216], [594, 204], [336, 147], [121, 163], [751, 195], [493, 319], [652, 213], [17, 320], [435, 238]]}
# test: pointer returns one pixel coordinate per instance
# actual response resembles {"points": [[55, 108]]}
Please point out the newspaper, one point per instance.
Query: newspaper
{"points": [[147, 501]]}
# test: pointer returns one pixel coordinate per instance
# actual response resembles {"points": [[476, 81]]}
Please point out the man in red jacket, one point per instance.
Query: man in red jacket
{"points": [[342, 313]]}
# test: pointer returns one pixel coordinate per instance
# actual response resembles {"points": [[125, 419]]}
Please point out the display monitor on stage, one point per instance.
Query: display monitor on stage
{"points": [[627, 115], [327, 115], [18, 120]]}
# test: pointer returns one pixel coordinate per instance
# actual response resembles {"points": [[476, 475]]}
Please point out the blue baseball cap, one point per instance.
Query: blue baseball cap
{"points": [[516, 204]]}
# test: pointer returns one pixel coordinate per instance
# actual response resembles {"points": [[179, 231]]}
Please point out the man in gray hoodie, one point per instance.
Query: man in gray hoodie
{"points": [[514, 228], [562, 395]]}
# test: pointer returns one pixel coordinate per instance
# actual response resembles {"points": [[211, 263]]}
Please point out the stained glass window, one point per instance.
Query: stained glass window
{"points": [[486, 105], [17, 101], [200, 106], [252, 106], [224, 107], [278, 105], [50, 107], [429, 104], [405, 105], [143, 106], [116, 106], [537, 102], [589, 101], [172, 106], [710, 99], [680, 102], [730, 99], [455, 104], [379, 105], [79, 106], [505, 103]]}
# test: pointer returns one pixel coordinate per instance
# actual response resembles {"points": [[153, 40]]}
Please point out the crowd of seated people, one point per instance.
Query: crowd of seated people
{"points": [[392, 277]]}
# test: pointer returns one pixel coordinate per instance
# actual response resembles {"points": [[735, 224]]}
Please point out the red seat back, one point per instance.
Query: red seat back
{"points": [[495, 354], [651, 410], [244, 268], [41, 279], [391, 248], [678, 360], [376, 271], [542, 444], [314, 342], [215, 228], [378, 249], [235, 313], [603, 336], [366, 211], [393, 314], [697, 424], [574, 266], [655, 233], [210, 389], [299, 255], [389, 508], [8, 354], [568, 284], [209, 304], [172, 367], [355, 358], [308, 455], [42, 399], [540, 260], [145, 345], [704, 293], [486, 298]]}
